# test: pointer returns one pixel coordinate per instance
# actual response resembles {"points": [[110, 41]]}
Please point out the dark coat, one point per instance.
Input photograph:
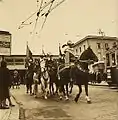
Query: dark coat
{"points": [[80, 77], [5, 82], [29, 77]]}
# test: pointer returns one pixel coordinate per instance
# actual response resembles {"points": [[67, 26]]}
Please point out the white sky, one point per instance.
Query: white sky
{"points": [[72, 20]]}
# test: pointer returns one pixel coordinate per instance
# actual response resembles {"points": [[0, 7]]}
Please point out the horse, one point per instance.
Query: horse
{"points": [[80, 77], [80, 71], [64, 80]]}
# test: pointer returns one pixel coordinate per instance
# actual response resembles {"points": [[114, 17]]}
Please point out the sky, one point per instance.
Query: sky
{"points": [[72, 20]]}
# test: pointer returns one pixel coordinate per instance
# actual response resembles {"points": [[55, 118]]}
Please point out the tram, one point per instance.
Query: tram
{"points": [[112, 66], [99, 71]]}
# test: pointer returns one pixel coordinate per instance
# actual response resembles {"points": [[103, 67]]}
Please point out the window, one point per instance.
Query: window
{"points": [[98, 46], [80, 49], [106, 46], [114, 44], [76, 50], [84, 47]]}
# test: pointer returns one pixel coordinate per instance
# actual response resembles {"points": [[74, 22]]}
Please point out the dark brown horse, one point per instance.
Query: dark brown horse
{"points": [[80, 72]]}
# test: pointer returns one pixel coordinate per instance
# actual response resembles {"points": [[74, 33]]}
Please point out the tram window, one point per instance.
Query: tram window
{"points": [[107, 60], [113, 59]]}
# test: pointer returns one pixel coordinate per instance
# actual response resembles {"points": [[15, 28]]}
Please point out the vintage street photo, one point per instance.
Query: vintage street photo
{"points": [[58, 60]]}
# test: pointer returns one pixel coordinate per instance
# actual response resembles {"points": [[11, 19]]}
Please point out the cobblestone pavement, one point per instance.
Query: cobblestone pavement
{"points": [[104, 105]]}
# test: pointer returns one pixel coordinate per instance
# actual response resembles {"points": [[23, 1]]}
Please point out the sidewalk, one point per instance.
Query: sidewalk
{"points": [[10, 114], [103, 83]]}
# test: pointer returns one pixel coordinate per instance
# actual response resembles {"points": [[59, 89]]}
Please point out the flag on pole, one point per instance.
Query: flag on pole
{"points": [[43, 53], [28, 53], [28, 56], [60, 53]]}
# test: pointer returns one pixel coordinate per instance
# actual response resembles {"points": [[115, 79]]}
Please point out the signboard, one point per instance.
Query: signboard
{"points": [[5, 44]]}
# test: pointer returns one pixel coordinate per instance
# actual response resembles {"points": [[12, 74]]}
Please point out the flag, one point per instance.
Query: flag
{"points": [[28, 53], [43, 53], [60, 53], [28, 56]]}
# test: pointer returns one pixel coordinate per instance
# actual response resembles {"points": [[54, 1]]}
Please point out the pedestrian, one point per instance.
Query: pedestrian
{"points": [[16, 79], [5, 82]]}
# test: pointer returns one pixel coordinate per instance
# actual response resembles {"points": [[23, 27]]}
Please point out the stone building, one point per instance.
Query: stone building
{"points": [[99, 44]]}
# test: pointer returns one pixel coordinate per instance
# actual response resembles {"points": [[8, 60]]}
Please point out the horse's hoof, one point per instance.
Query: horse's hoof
{"points": [[89, 102], [76, 100], [45, 97], [67, 99], [35, 96], [60, 98]]}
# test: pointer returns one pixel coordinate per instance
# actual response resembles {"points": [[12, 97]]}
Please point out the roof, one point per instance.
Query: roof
{"points": [[95, 37], [5, 32]]}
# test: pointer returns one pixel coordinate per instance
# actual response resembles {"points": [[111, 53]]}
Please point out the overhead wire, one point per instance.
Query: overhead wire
{"points": [[42, 8], [50, 9], [38, 13], [46, 15]]}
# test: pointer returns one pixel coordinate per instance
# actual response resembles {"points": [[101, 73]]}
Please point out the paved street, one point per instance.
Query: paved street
{"points": [[10, 114], [103, 107]]}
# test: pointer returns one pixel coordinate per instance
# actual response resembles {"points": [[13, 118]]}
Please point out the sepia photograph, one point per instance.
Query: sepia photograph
{"points": [[58, 60]]}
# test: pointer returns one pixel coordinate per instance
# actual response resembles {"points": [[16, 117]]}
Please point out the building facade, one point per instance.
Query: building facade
{"points": [[5, 43], [18, 61], [99, 44]]}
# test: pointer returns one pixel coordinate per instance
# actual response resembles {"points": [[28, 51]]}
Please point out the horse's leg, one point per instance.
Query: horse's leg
{"points": [[30, 87], [78, 95], [86, 91], [52, 88], [67, 92], [27, 87], [71, 87], [46, 90], [57, 86], [60, 91]]}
